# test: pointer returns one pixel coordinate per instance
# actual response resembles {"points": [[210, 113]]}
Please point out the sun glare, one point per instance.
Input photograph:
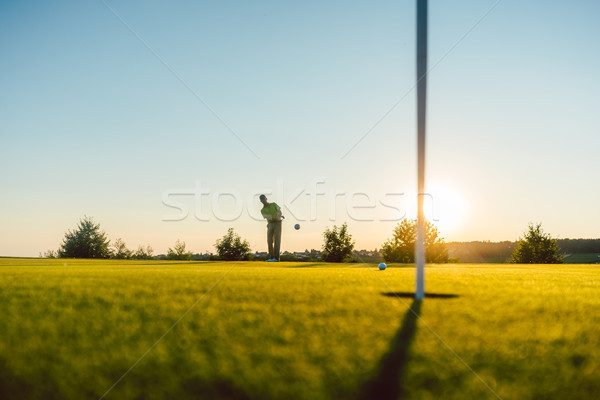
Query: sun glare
{"points": [[445, 207]]}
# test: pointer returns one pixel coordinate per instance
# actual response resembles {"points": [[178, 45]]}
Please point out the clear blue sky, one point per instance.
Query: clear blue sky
{"points": [[93, 123]]}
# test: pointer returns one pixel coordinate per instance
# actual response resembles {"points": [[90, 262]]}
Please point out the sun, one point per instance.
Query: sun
{"points": [[444, 206]]}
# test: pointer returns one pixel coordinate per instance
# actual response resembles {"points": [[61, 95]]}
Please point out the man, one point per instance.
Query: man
{"points": [[272, 213]]}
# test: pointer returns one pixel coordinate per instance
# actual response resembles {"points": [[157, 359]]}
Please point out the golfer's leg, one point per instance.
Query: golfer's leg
{"points": [[270, 232], [277, 235]]}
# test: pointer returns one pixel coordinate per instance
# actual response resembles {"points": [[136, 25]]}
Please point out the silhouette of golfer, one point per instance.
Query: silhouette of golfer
{"points": [[272, 213]]}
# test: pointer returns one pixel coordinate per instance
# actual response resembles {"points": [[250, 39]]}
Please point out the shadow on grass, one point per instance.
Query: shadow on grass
{"points": [[427, 295], [219, 389], [388, 380], [11, 385], [14, 386]]}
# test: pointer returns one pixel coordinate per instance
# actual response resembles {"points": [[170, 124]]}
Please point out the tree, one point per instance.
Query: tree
{"points": [[536, 247], [120, 250], [49, 254], [338, 244], [178, 252], [231, 247], [87, 241], [143, 253], [401, 247]]}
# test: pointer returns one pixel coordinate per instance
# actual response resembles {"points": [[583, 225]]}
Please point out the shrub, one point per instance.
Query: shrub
{"points": [[401, 247], [337, 244], [536, 247], [86, 241], [231, 247]]}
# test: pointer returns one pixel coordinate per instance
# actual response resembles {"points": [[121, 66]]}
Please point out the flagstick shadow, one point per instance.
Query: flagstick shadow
{"points": [[411, 295], [387, 383]]}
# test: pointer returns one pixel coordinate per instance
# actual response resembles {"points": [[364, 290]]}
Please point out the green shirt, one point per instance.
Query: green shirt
{"points": [[272, 210]]}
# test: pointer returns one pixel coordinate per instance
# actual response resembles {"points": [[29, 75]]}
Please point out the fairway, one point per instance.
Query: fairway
{"points": [[79, 329]]}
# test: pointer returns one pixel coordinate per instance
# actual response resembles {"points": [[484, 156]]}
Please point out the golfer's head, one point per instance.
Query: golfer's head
{"points": [[263, 199]]}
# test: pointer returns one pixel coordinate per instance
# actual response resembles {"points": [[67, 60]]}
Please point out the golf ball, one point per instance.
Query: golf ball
{"points": [[382, 266], [297, 226]]}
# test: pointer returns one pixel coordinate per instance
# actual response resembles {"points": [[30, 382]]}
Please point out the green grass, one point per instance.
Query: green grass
{"points": [[72, 328]]}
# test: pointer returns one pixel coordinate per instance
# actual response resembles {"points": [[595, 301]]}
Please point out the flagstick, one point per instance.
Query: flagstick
{"points": [[421, 108]]}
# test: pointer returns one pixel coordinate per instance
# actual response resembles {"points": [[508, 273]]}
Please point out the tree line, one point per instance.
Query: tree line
{"points": [[501, 252], [88, 240]]}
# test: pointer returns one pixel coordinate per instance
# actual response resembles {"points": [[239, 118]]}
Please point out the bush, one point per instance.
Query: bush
{"points": [[338, 244], [87, 241], [536, 247], [401, 247], [288, 257], [231, 247]]}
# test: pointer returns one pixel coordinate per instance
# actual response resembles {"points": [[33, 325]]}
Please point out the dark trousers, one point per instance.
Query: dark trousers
{"points": [[274, 238]]}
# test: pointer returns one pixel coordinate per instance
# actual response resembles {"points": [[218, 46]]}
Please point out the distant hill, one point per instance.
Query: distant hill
{"points": [[578, 251]]}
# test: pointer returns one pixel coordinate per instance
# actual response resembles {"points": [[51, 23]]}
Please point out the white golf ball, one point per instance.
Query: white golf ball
{"points": [[382, 266]]}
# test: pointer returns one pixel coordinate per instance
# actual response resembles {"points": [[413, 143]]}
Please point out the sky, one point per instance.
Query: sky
{"points": [[166, 120]]}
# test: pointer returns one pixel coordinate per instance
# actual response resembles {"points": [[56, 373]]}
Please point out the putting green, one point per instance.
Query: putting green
{"points": [[156, 329]]}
